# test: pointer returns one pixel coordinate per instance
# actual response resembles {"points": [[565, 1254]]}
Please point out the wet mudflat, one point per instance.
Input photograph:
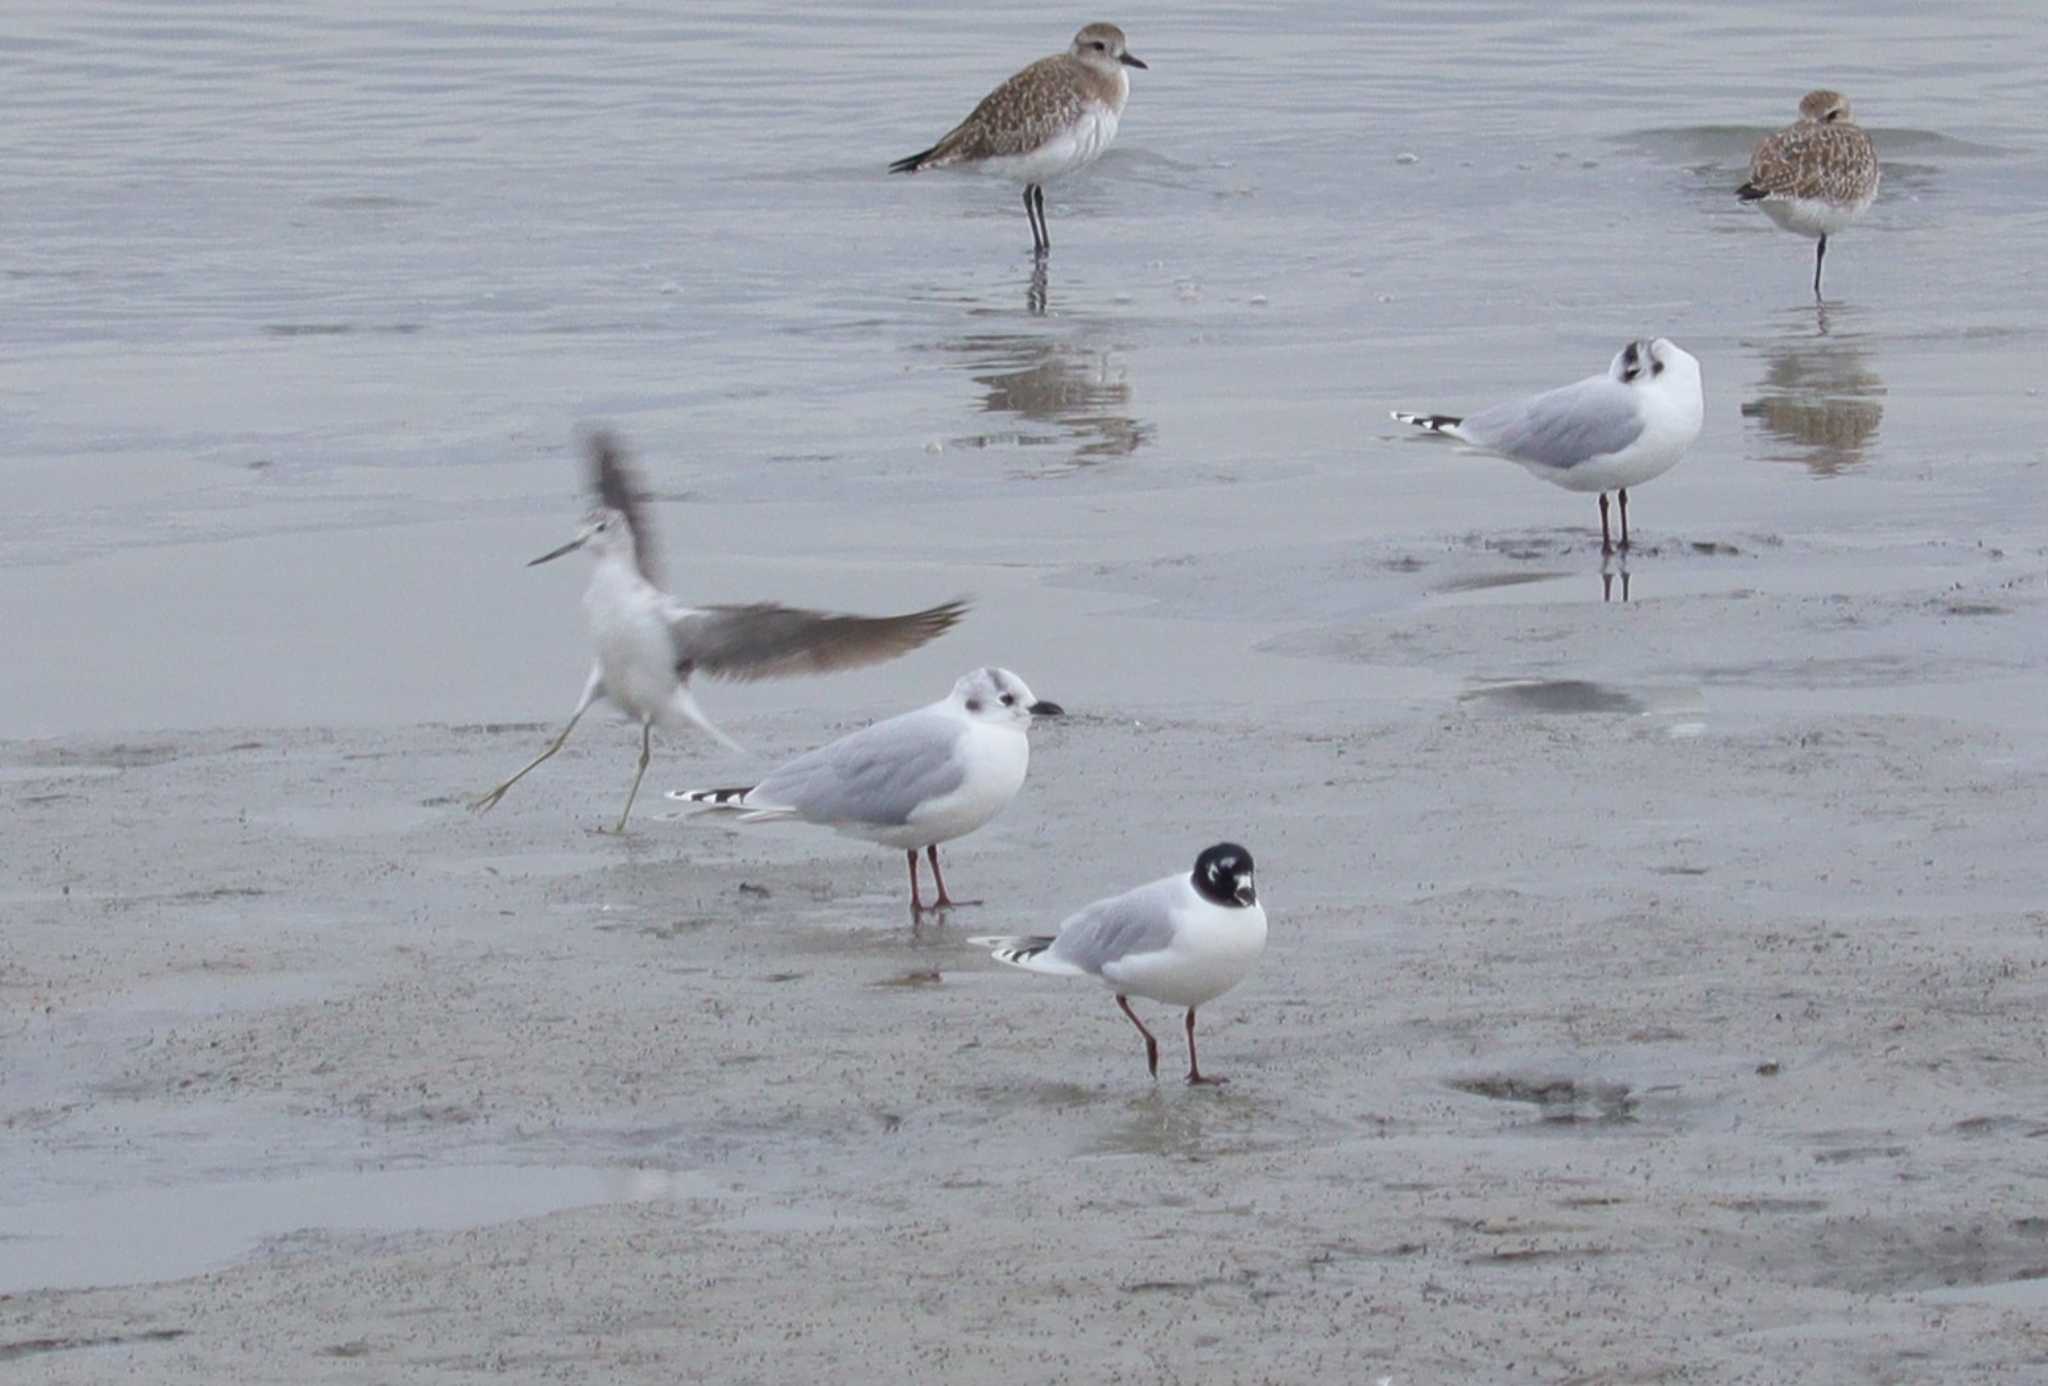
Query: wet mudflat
{"points": [[1654, 983]]}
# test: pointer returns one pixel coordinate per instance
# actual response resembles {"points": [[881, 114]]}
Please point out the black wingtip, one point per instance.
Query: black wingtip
{"points": [[911, 163]]}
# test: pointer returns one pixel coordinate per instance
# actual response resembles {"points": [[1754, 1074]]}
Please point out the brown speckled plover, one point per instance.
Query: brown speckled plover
{"points": [[1605, 433], [649, 644], [1054, 117], [1816, 176]]}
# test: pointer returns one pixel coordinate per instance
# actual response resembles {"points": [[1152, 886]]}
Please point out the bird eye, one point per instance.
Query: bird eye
{"points": [[1009, 699], [1099, 46], [974, 704]]}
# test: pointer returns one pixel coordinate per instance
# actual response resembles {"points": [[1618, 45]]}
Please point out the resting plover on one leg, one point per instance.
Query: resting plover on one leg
{"points": [[1054, 117], [1816, 176], [1605, 433]]}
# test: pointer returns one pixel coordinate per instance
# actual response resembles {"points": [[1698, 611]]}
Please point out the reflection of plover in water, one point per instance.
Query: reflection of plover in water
{"points": [[1817, 176], [1606, 433], [1054, 117]]}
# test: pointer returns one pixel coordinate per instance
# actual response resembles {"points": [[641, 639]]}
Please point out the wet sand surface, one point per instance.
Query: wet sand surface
{"points": [[1654, 987]]}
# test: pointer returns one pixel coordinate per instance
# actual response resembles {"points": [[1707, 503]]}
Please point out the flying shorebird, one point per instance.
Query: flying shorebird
{"points": [[915, 780], [1815, 176], [1183, 939], [1051, 119], [649, 644], [1605, 433]]}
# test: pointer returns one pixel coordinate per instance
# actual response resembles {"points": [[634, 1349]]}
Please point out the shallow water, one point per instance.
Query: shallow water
{"points": [[301, 304]]}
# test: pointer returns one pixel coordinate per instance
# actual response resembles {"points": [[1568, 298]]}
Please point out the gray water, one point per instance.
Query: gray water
{"points": [[301, 304]]}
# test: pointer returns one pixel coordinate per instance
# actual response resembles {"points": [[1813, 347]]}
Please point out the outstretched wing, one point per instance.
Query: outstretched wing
{"points": [[767, 641], [620, 487]]}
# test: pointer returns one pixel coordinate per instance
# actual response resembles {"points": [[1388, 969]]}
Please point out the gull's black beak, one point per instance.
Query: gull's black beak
{"points": [[552, 554], [1245, 893], [1128, 61], [1046, 710]]}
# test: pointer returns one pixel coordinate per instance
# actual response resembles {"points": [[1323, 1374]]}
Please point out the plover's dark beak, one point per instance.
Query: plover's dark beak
{"points": [[552, 554], [1128, 61], [1046, 710], [1245, 893]]}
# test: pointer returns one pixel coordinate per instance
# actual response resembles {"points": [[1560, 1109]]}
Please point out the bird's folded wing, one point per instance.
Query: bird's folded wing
{"points": [[878, 776], [1123, 926], [766, 641], [1810, 161], [1018, 116], [1560, 428]]}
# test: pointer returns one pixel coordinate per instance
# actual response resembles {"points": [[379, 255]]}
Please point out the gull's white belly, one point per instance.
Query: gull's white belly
{"points": [[1208, 958], [997, 758], [1074, 148]]}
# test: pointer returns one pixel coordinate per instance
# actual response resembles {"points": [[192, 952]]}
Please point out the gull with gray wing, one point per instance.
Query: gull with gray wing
{"points": [[1183, 939], [1605, 433], [650, 645], [910, 782]]}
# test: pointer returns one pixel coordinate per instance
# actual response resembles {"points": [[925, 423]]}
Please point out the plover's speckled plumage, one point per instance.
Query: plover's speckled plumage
{"points": [[1816, 176], [1054, 117]]}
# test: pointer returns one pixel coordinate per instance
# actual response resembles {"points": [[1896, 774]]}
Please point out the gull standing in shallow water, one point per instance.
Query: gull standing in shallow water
{"points": [[1184, 940], [913, 781], [1051, 119], [1606, 433], [1816, 176], [649, 644]]}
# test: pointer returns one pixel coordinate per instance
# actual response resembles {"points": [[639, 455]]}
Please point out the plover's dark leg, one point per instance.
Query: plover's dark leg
{"points": [[1034, 208], [1820, 253], [1194, 1069], [1606, 544], [1151, 1045], [944, 901], [1623, 493]]}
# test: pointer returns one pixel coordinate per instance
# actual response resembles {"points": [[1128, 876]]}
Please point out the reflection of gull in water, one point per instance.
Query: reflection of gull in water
{"points": [[1819, 403], [1079, 389]]}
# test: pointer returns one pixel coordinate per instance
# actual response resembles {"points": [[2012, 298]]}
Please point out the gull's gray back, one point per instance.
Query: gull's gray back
{"points": [[879, 775], [1560, 428], [1138, 921]]}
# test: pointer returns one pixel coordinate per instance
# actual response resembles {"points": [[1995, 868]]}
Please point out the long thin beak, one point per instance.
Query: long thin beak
{"points": [[1246, 894], [552, 554], [1128, 61], [1046, 710]]}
